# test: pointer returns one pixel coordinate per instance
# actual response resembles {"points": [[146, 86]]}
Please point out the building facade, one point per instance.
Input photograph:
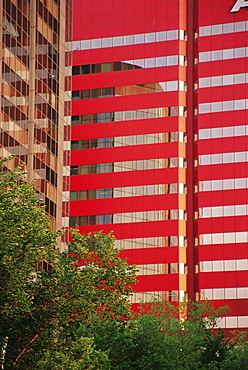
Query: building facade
{"points": [[158, 151], [35, 113]]}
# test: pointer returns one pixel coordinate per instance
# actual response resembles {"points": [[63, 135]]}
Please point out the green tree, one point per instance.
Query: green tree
{"points": [[42, 310], [168, 337]]}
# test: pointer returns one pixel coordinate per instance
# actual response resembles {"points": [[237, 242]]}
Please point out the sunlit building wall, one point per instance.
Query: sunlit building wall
{"points": [[35, 107]]}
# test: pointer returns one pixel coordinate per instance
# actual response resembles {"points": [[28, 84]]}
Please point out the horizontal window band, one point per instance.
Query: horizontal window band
{"points": [[126, 65], [128, 217], [135, 39], [138, 165], [117, 141], [223, 28], [224, 184], [128, 115]]}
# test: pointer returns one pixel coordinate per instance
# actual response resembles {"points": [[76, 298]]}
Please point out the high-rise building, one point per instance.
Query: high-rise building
{"points": [[35, 87], [159, 143]]}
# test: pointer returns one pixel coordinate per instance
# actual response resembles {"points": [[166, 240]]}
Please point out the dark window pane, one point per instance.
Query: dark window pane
{"points": [[96, 68], [76, 70], [94, 168], [93, 220], [75, 120], [86, 69], [94, 143], [75, 95], [83, 220], [74, 170], [72, 221], [107, 91], [74, 145], [84, 144], [85, 94], [85, 118], [117, 66], [95, 93]]}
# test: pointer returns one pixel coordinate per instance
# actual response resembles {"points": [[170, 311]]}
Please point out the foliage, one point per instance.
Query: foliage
{"points": [[42, 310], [75, 314]]}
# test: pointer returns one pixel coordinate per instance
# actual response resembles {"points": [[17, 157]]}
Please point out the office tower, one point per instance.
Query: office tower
{"points": [[35, 107], [158, 145]]}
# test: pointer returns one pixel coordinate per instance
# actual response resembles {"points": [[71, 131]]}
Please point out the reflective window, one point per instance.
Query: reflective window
{"points": [[222, 158], [125, 40], [223, 238], [208, 56]]}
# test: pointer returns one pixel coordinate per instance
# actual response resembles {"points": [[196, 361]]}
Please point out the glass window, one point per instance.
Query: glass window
{"points": [[96, 43], [228, 53], [218, 266], [128, 40], [117, 41], [76, 70], [85, 94], [230, 293], [75, 120], [150, 37], [228, 157], [107, 42], [73, 195], [86, 69], [228, 27], [241, 210], [83, 220], [83, 169], [95, 93], [96, 68], [229, 238], [229, 265], [240, 183], [107, 67], [83, 194], [74, 145], [76, 95], [242, 264], [229, 211], [228, 184], [228, 131], [72, 221], [85, 44], [74, 170], [161, 36], [218, 293]]}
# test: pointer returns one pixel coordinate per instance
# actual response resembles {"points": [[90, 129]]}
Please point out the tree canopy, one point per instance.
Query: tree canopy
{"points": [[74, 314]]}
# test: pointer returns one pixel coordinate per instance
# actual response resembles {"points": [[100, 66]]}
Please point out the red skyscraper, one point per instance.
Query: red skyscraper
{"points": [[159, 142]]}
